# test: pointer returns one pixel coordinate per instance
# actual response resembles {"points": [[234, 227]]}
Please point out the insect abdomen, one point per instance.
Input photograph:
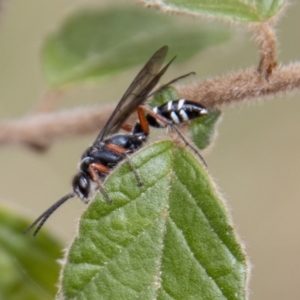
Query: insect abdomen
{"points": [[178, 111]]}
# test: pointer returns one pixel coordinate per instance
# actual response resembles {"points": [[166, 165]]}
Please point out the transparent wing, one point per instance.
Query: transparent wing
{"points": [[137, 92]]}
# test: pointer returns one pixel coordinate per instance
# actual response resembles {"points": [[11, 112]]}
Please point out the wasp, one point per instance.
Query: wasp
{"points": [[110, 148]]}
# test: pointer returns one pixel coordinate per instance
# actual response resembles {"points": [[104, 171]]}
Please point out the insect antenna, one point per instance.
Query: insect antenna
{"points": [[169, 83], [46, 214]]}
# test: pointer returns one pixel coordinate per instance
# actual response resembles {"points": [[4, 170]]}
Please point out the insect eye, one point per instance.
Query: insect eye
{"points": [[82, 183], [81, 186]]}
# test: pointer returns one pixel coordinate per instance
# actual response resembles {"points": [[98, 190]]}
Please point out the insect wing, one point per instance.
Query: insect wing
{"points": [[135, 93]]}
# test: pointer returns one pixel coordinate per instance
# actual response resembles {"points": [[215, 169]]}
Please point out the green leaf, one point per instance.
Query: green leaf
{"points": [[203, 129], [237, 10], [163, 96], [172, 238], [28, 267], [97, 43]]}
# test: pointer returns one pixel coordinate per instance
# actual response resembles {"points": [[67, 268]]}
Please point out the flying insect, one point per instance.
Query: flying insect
{"points": [[110, 148]]}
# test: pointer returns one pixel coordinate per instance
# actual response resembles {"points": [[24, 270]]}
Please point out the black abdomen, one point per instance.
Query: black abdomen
{"points": [[176, 112]]}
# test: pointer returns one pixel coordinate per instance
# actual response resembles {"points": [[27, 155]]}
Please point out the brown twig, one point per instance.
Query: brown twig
{"points": [[267, 42], [243, 85], [39, 131]]}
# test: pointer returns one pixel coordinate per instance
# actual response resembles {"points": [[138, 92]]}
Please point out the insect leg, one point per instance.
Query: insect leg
{"points": [[138, 178], [102, 169], [169, 83], [174, 127], [122, 151], [155, 115], [167, 122], [127, 127], [142, 119]]}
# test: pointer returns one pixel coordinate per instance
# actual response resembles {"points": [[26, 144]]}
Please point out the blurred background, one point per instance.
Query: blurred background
{"points": [[254, 160]]}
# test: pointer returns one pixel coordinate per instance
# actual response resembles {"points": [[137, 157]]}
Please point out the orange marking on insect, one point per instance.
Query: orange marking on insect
{"points": [[143, 120], [115, 148], [153, 114], [127, 127], [97, 167]]}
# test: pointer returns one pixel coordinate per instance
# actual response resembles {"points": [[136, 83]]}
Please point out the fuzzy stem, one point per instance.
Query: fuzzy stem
{"points": [[243, 85], [39, 131], [267, 42]]}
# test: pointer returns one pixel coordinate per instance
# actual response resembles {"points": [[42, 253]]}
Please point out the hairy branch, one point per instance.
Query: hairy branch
{"points": [[267, 42], [243, 85], [39, 131]]}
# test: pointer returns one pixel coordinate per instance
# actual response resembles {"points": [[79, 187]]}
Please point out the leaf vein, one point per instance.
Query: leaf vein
{"points": [[179, 231], [207, 218]]}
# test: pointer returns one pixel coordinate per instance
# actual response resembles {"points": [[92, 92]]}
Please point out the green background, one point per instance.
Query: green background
{"points": [[255, 159]]}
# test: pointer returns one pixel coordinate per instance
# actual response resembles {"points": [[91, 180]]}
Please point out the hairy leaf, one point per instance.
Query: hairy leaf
{"points": [[203, 129], [28, 267], [97, 43], [172, 238], [237, 10]]}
